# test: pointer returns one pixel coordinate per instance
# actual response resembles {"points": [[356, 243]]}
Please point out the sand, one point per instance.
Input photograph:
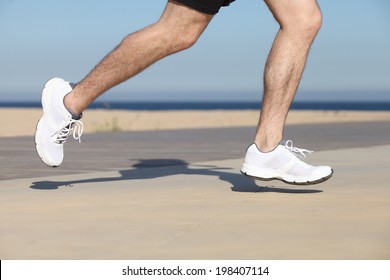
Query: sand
{"points": [[22, 121]]}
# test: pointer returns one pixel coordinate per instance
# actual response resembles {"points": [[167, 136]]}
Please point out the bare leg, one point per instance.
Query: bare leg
{"points": [[178, 28], [299, 20]]}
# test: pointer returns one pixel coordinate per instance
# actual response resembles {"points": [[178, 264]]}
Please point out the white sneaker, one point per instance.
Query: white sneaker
{"points": [[283, 164], [56, 123]]}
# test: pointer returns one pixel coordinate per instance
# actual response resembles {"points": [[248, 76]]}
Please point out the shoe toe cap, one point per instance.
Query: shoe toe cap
{"points": [[322, 172]]}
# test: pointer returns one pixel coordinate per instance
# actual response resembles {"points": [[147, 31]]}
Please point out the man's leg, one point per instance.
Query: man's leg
{"points": [[266, 159], [299, 20], [178, 28]]}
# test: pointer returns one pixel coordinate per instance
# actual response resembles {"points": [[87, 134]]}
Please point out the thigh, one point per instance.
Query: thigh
{"points": [[179, 16], [210, 7], [182, 21]]}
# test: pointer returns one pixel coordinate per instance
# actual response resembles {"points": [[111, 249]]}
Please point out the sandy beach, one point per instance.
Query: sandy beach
{"points": [[22, 121]]}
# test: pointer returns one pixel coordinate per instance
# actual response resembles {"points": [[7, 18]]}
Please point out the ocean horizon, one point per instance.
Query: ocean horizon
{"points": [[216, 105]]}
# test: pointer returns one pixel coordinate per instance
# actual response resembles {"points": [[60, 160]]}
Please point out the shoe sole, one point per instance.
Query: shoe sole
{"points": [[314, 182], [43, 101]]}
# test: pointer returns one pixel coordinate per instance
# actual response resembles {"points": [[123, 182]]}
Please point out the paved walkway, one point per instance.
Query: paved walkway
{"points": [[116, 151], [195, 204]]}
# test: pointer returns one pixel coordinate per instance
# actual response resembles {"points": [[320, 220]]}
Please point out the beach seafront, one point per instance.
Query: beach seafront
{"points": [[22, 121], [166, 185]]}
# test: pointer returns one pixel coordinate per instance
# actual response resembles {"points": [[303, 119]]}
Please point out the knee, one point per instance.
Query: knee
{"points": [[181, 34], [312, 23], [182, 39], [305, 24]]}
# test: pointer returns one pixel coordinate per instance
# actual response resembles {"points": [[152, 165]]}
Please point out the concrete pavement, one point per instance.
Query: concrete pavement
{"points": [[122, 150], [178, 207]]}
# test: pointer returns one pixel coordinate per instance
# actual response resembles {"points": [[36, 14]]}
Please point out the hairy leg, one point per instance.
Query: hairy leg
{"points": [[178, 28], [299, 21]]}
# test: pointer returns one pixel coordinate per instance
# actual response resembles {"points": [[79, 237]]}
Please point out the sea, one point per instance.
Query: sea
{"points": [[214, 105]]}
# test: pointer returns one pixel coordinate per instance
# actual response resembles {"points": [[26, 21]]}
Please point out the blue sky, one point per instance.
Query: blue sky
{"points": [[350, 59]]}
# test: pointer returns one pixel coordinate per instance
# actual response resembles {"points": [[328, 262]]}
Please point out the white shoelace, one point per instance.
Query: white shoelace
{"points": [[73, 125], [296, 151]]}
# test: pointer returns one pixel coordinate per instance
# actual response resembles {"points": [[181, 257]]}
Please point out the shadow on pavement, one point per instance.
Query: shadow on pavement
{"points": [[151, 168]]}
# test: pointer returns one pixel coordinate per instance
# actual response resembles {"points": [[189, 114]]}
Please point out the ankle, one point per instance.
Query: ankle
{"points": [[70, 104], [266, 146]]}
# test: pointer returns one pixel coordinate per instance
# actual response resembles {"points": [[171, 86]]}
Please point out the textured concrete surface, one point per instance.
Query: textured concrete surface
{"points": [[197, 205], [115, 151]]}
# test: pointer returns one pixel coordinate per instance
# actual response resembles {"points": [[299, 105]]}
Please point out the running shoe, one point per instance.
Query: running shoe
{"points": [[56, 124], [283, 163]]}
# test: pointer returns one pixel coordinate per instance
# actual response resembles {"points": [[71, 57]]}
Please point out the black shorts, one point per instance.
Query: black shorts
{"points": [[210, 7]]}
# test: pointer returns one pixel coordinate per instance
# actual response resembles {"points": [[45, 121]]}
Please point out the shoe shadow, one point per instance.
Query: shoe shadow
{"points": [[148, 169]]}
